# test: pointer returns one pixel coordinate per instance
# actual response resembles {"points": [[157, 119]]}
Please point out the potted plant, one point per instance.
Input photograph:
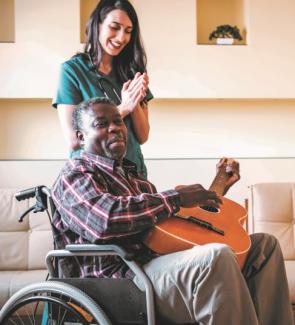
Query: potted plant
{"points": [[226, 34]]}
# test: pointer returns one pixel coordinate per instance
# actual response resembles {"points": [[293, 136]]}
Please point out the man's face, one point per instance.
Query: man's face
{"points": [[104, 132]]}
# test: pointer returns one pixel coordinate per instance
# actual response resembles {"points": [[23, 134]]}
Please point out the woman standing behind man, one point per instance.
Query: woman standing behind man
{"points": [[112, 65]]}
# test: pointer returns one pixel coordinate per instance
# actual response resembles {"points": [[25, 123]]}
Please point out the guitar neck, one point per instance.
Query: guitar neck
{"points": [[219, 182]]}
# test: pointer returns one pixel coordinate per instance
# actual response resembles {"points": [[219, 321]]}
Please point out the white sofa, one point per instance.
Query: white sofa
{"points": [[272, 210], [23, 246]]}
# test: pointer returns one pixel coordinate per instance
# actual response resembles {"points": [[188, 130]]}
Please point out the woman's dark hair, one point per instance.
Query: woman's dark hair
{"points": [[132, 59]]}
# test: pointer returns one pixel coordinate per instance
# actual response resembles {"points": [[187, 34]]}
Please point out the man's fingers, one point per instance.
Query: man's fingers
{"points": [[221, 162], [211, 195], [216, 202], [211, 203], [232, 167]]}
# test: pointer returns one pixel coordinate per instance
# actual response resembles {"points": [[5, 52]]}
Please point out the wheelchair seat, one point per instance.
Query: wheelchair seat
{"points": [[122, 301], [106, 300]]}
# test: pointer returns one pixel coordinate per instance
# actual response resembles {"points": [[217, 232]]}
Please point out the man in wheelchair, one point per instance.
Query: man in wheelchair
{"points": [[100, 198]]}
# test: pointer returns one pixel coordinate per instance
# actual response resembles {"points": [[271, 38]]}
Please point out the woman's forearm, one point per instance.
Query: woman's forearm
{"points": [[65, 118], [140, 123]]}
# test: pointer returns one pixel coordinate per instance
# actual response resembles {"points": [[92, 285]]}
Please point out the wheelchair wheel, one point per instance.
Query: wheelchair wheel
{"points": [[52, 303]]}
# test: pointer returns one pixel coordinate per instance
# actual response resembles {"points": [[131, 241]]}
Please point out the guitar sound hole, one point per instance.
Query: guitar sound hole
{"points": [[209, 209]]}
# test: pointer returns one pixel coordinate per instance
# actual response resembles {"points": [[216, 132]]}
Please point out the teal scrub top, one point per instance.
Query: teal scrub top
{"points": [[79, 80]]}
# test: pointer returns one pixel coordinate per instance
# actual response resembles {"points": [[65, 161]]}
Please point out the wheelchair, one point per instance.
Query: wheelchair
{"points": [[74, 301]]}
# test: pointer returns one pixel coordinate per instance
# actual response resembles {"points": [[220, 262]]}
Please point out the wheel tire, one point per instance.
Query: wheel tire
{"points": [[56, 289]]}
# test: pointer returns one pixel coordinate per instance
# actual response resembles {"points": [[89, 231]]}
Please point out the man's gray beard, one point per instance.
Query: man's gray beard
{"points": [[115, 157]]}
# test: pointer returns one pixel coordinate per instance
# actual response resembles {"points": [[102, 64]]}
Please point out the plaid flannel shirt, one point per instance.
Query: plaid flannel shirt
{"points": [[99, 201]]}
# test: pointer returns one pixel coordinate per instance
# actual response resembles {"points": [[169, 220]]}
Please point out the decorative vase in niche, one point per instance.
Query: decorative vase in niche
{"points": [[224, 41]]}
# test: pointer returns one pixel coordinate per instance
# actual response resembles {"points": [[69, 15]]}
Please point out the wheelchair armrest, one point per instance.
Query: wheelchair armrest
{"points": [[98, 248]]}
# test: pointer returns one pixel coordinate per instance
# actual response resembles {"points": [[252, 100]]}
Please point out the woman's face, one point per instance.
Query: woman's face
{"points": [[115, 32]]}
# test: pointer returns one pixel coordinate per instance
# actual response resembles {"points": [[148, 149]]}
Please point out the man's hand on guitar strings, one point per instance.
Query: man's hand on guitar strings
{"points": [[197, 195], [232, 169]]}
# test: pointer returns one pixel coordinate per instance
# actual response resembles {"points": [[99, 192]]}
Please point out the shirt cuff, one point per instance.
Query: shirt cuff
{"points": [[171, 200]]}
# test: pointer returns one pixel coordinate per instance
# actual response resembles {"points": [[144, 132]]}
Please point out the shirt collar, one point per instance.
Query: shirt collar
{"points": [[86, 60], [109, 163]]}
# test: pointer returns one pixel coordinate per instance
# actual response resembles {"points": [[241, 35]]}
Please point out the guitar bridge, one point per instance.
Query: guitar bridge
{"points": [[203, 224]]}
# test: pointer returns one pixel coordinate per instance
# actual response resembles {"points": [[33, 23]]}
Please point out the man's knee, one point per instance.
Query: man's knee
{"points": [[266, 246], [224, 252], [218, 253], [267, 241]]}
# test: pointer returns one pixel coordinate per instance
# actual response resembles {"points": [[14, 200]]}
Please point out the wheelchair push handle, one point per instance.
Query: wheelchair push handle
{"points": [[36, 191], [25, 194], [41, 193]]}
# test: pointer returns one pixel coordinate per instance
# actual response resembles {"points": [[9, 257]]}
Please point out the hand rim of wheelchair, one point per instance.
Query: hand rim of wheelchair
{"points": [[56, 288], [48, 300]]}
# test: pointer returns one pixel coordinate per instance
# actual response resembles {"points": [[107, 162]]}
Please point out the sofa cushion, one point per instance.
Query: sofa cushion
{"points": [[23, 245], [14, 250], [290, 269], [12, 281], [272, 211]]}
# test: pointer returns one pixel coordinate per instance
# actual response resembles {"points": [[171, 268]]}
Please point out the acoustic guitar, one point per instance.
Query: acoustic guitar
{"points": [[203, 225]]}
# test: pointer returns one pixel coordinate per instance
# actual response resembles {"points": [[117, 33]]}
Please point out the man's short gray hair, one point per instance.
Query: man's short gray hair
{"points": [[82, 108]]}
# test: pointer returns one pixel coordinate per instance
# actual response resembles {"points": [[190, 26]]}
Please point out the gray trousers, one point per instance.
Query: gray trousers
{"points": [[204, 285]]}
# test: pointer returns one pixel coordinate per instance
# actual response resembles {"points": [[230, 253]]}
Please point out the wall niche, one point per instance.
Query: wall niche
{"points": [[213, 13], [7, 30], [86, 8]]}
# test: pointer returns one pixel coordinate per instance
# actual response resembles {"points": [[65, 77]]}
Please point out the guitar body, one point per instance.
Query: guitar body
{"points": [[176, 234]]}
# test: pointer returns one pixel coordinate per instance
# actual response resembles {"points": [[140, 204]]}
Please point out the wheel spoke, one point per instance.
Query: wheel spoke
{"points": [[52, 304]]}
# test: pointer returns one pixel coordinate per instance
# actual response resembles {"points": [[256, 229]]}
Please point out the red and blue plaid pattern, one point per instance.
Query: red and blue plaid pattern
{"points": [[99, 201]]}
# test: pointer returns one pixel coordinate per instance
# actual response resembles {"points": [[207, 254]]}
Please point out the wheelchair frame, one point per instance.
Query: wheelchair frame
{"points": [[43, 197]]}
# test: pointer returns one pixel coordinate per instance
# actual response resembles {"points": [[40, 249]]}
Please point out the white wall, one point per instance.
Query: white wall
{"points": [[169, 173], [47, 32], [187, 138], [181, 69], [249, 90], [214, 128], [29, 129], [165, 173]]}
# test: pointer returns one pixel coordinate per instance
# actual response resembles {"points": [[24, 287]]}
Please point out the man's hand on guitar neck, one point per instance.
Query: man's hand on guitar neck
{"points": [[232, 169], [196, 195]]}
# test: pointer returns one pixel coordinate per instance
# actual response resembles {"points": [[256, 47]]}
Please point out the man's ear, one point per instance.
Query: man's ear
{"points": [[80, 138]]}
